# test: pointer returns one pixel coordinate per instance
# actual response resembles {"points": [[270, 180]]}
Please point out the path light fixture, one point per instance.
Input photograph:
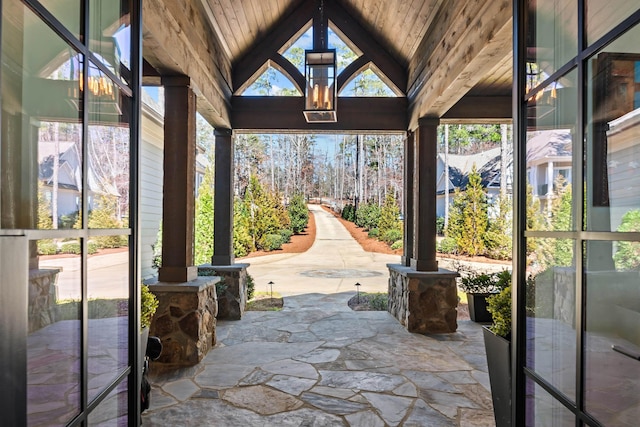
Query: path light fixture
{"points": [[358, 293], [271, 286]]}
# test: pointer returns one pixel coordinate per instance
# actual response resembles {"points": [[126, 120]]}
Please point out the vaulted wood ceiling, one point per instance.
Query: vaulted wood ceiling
{"points": [[451, 51]]}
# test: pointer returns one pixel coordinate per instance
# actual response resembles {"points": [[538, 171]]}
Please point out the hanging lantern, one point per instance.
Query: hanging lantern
{"points": [[320, 93]]}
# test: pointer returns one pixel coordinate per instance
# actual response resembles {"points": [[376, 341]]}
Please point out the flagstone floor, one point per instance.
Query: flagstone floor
{"points": [[318, 363]]}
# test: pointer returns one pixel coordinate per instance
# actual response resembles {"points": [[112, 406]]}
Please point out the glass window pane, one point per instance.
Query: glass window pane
{"points": [[108, 292], [41, 114], [551, 316], [110, 35], [53, 343], [113, 410], [612, 338], [602, 16], [552, 29], [541, 409], [108, 154], [551, 123], [613, 135], [68, 12]]}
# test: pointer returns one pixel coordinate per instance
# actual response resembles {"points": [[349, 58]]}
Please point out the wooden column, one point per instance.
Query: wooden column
{"points": [[424, 211], [178, 203], [223, 200], [409, 157]]}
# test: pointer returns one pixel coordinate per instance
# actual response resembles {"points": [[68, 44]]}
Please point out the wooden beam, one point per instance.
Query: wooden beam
{"points": [[388, 65], [496, 109], [283, 31], [351, 71], [286, 67], [178, 40], [271, 113], [468, 38]]}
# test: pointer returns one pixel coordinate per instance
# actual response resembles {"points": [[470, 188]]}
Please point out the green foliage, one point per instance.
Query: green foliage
{"points": [[398, 244], [498, 239], [45, 222], [242, 240], [389, 225], [266, 216], [221, 287], [447, 246], [499, 306], [468, 220], [285, 235], [378, 301], [368, 216], [374, 232], [103, 216], [271, 242], [485, 283], [349, 213], [627, 256], [440, 225], [47, 247], [68, 221], [74, 248], [148, 306], [203, 238], [251, 287], [156, 248], [392, 235], [298, 213]]}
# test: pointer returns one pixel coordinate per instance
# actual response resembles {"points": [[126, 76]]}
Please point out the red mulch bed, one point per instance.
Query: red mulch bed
{"points": [[299, 242]]}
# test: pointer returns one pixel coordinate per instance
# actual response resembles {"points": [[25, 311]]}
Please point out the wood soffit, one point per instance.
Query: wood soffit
{"points": [[435, 51]]}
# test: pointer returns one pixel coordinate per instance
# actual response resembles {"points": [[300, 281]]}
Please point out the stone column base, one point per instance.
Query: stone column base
{"points": [[424, 302], [233, 301], [185, 320]]}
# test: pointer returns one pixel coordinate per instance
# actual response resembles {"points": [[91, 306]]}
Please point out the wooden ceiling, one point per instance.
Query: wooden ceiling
{"points": [[446, 49]]}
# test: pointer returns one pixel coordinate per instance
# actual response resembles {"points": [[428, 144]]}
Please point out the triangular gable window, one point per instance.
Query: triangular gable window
{"points": [[272, 82], [368, 83]]}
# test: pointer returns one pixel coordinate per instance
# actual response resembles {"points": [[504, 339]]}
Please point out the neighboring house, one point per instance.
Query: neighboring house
{"points": [[549, 154], [623, 161], [487, 164]]}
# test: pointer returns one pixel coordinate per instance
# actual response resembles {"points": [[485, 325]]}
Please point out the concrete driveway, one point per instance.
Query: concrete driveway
{"points": [[333, 264]]}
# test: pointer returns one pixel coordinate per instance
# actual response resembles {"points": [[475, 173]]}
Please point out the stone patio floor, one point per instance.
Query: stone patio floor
{"points": [[318, 363]]}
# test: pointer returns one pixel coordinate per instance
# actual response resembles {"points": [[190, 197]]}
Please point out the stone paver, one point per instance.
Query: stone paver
{"points": [[384, 377], [318, 363]]}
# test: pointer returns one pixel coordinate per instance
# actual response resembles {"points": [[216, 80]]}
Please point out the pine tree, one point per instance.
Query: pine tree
{"points": [[389, 221], [298, 213]]}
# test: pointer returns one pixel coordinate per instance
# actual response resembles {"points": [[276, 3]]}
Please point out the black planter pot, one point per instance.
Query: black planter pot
{"points": [[499, 363], [478, 308]]}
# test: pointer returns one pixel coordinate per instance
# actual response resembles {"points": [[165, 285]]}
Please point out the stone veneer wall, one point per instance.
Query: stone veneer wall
{"points": [[423, 302], [185, 320], [231, 303], [43, 296]]}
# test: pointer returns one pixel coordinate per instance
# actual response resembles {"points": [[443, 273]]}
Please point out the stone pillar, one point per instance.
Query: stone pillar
{"points": [[178, 204], [185, 320], [232, 295], [424, 302], [223, 200], [409, 157], [424, 211]]}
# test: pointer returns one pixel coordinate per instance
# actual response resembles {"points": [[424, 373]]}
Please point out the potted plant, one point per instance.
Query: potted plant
{"points": [[480, 286], [497, 342], [148, 307]]}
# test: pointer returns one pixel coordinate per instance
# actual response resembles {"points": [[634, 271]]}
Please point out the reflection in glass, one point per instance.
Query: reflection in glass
{"points": [[112, 411], [551, 316], [551, 123], [612, 339], [541, 409], [53, 344], [551, 27], [108, 294], [613, 135], [110, 36], [602, 16], [68, 12], [39, 110], [108, 155]]}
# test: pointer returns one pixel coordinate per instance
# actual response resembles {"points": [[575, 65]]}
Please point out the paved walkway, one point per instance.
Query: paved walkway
{"points": [[318, 363]]}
